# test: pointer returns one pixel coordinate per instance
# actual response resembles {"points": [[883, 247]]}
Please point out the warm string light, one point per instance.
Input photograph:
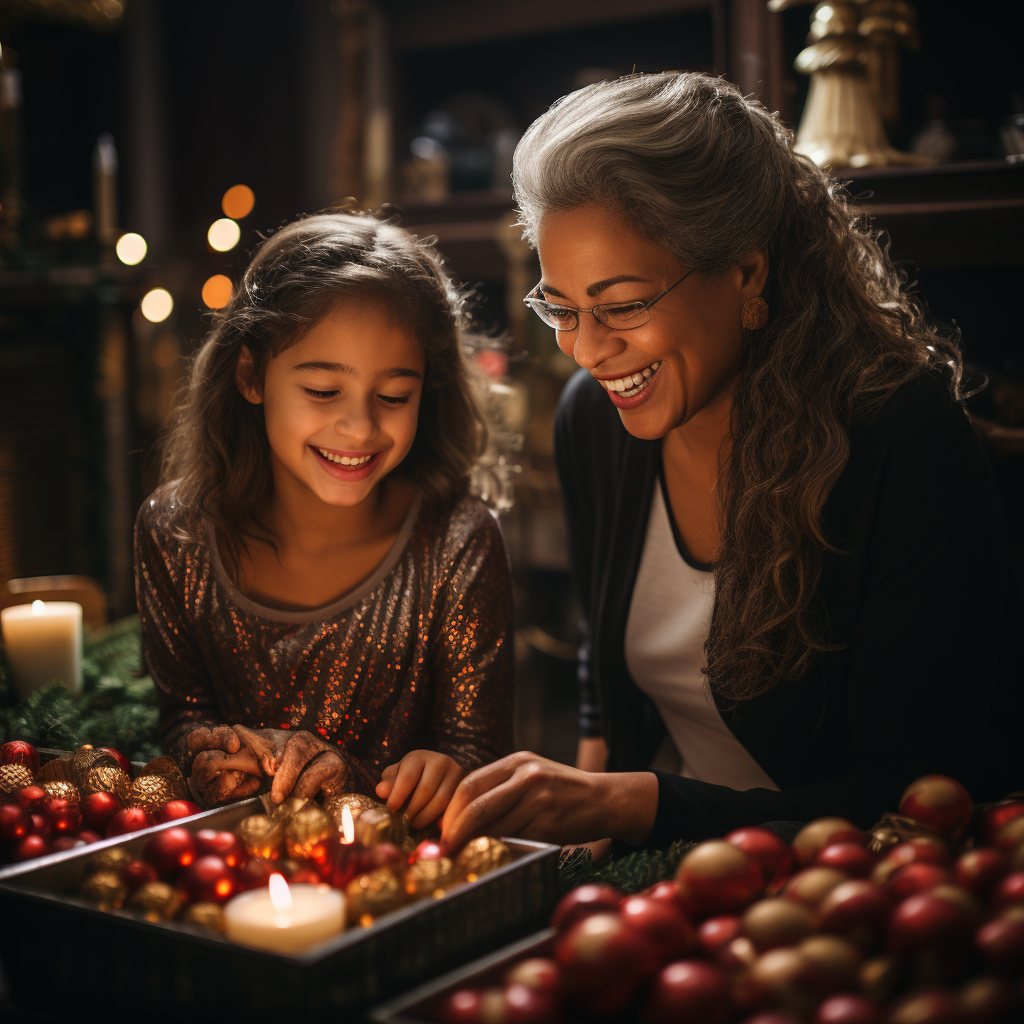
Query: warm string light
{"points": [[217, 291], [238, 202], [156, 305], [131, 249], [348, 826], [224, 234]]}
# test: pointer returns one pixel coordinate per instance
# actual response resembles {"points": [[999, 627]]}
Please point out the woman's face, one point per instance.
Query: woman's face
{"points": [[687, 354], [341, 404]]}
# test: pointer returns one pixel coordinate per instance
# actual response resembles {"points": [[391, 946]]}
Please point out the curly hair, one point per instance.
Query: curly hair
{"points": [[215, 449], [711, 176]]}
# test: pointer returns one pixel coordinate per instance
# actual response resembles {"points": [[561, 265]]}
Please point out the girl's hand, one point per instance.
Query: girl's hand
{"points": [[426, 779], [530, 796], [218, 776], [300, 763]]}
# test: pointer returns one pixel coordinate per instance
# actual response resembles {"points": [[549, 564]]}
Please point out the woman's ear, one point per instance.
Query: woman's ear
{"points": [[754, 270], [245, 377]]}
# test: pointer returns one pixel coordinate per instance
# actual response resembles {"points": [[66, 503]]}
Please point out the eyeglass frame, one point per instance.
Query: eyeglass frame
{"points": [[530, 299]]}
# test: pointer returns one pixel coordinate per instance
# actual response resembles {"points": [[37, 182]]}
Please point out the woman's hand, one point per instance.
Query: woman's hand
{"points": [[300, 763], [532, 797], [218, 776], [213, 737], [424, 778]]}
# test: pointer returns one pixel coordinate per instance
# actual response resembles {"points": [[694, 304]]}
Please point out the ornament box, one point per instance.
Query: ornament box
{"points": [[62, 948]]}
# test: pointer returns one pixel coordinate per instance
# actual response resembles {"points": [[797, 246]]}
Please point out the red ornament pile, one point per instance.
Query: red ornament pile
{"points": [[35, 820], [920, 927]]}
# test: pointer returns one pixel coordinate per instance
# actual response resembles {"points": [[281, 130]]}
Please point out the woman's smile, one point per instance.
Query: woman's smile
{"points": [[631, 389]]}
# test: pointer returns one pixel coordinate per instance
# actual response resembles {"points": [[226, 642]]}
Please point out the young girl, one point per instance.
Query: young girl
{"points": [[320, 597]]}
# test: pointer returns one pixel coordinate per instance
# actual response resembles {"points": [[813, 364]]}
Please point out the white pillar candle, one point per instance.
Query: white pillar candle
{"points": [[43, 641], [285, 919]]}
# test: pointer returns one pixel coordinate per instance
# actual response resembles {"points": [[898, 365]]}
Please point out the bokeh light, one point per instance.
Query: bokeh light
{"points": [[238, 202], [217, 291], [131, 248], [156, 305], [223, 234]]}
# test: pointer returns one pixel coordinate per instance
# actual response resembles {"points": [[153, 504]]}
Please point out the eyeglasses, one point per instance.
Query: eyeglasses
{"points": [[619, 316]]}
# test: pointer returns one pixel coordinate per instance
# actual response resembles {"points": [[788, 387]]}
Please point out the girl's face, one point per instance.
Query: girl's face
{"points": [[341, 404], [687, 354]]}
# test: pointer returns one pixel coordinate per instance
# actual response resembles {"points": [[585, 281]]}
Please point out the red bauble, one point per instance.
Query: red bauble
{"points": [[667, 890], [130, 819], [1009, 890], [20, 752], [64, 815], [719, 878], [856, 910], [603, 963], [30, 846], [15, 823], [170, 851], [87, 835], [1001, 943], [848, 1009], [663, 923], [978, 870], [928, 851], [928, 921], [208, 880], [256, 873], [62, 843], [33, 799], [717, 932], [688, 990], [98, 809], [537, 972], [175, 809], [583, 901], [774, 856], [822, 832], [427, 850], [525, 1005], [939, 802], [853, 859], [914, 878], [991, 821], [462, 1007], [121, 760], [223, 844], [42, 826], [138, 872]]}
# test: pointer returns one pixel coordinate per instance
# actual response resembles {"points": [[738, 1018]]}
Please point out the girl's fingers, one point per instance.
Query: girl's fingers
{"points": [[435, 807], [434, 772], [387, 781], [410, 769]]}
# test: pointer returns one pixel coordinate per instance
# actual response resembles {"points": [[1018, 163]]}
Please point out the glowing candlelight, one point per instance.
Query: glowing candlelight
{"points": [[43, 641], [348, 826]]}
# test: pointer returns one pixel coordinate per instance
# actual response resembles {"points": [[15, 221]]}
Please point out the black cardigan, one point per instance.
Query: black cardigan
{"points": [[922, 602]]}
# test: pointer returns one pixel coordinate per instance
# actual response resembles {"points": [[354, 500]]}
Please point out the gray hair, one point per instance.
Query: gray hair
{"points": [[688, 161]]}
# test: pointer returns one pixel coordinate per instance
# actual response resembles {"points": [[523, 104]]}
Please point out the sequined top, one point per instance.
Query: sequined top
{"points": [[418, 656]]}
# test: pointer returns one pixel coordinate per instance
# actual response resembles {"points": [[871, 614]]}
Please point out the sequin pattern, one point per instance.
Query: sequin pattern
{"points": [[419, 658]]}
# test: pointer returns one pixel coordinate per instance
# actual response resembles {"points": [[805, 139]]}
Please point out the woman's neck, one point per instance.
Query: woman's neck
{"points": [[703, 440]]}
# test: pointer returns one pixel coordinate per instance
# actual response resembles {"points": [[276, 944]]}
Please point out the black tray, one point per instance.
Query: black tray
{"points": [[63, 950]]}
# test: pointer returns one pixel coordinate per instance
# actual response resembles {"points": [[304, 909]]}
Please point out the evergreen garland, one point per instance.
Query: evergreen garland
{"points": [[633, 872], [117, 707]]}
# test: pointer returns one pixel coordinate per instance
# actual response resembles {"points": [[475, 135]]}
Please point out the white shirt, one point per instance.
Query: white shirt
{"points": [[668, 623]]}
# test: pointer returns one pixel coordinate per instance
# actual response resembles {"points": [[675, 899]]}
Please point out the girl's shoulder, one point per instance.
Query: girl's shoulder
{"points": [[452, 526], [166, 520]]}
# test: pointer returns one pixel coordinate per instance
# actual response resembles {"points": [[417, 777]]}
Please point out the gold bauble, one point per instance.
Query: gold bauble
{"points": [[63, 791], [307, 830], [57, 770], [378, 825], [104, 779], [105, 887], [374, 894], [425, 877], [207, 915], [480, 855], [14, 777], [150, 792], [112, 859], [356, 802], [167, 768], [84, 760], [287, 808], [157, 900], [263, 837]]}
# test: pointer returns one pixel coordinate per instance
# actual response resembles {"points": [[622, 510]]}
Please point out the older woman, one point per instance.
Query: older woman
{"points": [[787, 542]]}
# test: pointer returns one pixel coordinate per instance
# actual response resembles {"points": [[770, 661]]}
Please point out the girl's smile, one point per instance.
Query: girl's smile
{"points": [[347, 465]]}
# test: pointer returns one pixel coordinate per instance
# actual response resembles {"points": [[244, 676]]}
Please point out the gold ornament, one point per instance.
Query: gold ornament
{"points": [[306, 831], [14, 777], [206, 915], [105, 887], [104, 779], [112, 859], [378, 825], [157, 900], [375, 893], [892, 829], [754, 313], [57, 770], [425, 877], [357, 803], [63, 791], [84, 760], [480, 855], [167, 768], [263, 837], [150, 792], [287, 808]]}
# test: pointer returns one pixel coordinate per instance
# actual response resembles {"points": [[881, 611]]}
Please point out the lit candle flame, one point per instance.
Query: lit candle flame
{"points": [[348, 826], [38, 607], [280, 894]]}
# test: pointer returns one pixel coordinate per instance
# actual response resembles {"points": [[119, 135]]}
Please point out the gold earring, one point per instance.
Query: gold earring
{"points": [[754, 313]]}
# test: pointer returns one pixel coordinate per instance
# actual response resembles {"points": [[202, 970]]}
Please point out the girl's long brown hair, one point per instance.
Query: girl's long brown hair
{"points": [[216, 451], [712, 176]]}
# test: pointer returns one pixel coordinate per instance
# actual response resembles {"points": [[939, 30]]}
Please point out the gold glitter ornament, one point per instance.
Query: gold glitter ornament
{"points": [[375, 893], [14, 777], [157, 900], [167, 768], [378, 825], [356, 802], [263, 837], [84, 760], [150, 792], [105, 888], [112, 859], [57, 770], [306, 832], [425, 877], [104, 779], [206, 915], [480, 855], [287, 808], [63, 791]]}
